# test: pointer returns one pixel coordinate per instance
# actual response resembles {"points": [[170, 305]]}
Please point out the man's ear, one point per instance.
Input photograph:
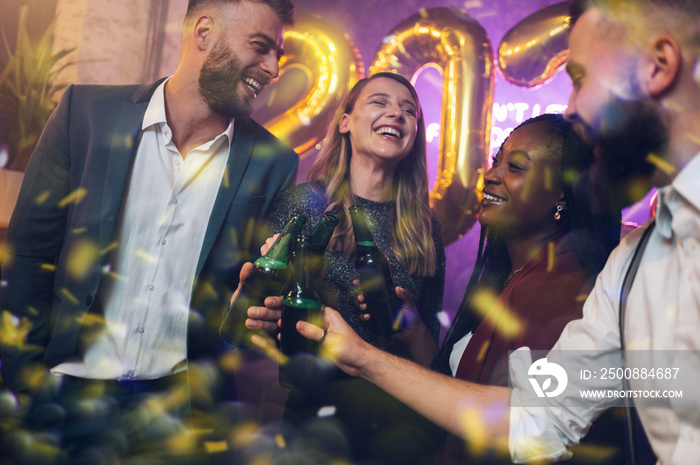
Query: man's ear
{"points": [[662, 64], [203, 28]]}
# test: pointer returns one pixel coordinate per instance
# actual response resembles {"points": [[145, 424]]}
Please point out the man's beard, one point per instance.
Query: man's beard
{"points": [[218, 82], [631, 132]]}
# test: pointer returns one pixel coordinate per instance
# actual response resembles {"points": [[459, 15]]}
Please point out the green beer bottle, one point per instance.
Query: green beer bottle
{"points": [[300, 303], [269, 277], [376, 281], [320, 238], [322, 233]]}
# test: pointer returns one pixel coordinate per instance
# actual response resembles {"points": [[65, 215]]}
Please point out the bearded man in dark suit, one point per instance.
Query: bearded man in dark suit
{"points": [[137, 209]]}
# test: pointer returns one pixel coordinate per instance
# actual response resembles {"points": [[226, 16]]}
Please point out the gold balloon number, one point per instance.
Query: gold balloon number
{"points": [[332, 66], [530, 53], [536, 48], [456, 43]]}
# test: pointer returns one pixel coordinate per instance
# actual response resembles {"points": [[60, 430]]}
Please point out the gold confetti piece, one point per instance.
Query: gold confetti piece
{"points": [[183, 442], [74, 197], [48, 267], [82, 257], [12, 332], [496, 314], [269, 348], [279, 440], [661, 164], [215, 446], [474, 428], [34, 376], [165, 217], [67, 294], [244, 434], [550, 256], [483, 350], [43, 197], [114, 275], [230, 361], [109, 248], [142, 254]]}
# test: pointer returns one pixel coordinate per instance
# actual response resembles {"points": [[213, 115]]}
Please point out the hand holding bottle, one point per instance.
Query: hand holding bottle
{"points": [[260, 318], [265, 318], [415, 335], [339, 342], [376, 279], [268, 243], [268, 276]]}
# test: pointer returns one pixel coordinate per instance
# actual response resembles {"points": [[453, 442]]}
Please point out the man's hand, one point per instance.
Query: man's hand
{"points": [[265, 318], [338, 342], [260, 318], [268, 243]]}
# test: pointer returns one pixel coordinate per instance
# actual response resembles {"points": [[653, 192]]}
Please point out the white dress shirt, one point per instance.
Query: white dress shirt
{"points": [[663, 313], [160, 233]]}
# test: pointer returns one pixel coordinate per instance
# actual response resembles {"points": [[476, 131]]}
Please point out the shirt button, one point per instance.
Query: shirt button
{"points": [[140, 329], [151, 287], [131, 374], [174, 200], [163, 241]]}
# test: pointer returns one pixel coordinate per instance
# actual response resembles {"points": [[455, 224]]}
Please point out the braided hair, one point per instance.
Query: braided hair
{"points": [[593, 236]]}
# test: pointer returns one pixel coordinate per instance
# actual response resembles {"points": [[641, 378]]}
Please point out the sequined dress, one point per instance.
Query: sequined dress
{"points": [[366, 423]]}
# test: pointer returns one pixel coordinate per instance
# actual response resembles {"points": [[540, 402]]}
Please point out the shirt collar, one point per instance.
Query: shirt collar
{"points": [[684, 190], [155, 115], [155, 112]]}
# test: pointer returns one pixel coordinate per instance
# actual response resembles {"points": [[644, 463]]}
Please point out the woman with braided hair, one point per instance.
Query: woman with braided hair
{"points": [[540, 250]]}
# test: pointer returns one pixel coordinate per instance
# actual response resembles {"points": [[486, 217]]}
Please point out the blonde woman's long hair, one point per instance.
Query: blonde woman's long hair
{"points": [[412, 240]]}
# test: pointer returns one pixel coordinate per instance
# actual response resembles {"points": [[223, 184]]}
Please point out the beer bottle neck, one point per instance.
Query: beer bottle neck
{"points": [[360, 226], [301, 263], [279, 254], [323, 232]]}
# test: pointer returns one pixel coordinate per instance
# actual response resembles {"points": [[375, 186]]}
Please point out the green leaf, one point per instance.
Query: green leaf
{"points": [[28, 85]]}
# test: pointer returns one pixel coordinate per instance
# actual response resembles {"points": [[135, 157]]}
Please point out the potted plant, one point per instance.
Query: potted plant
{"points": [[28, 85]]}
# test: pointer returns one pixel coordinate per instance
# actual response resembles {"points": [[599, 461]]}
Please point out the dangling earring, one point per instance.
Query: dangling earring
{"points": [[557, 215]]}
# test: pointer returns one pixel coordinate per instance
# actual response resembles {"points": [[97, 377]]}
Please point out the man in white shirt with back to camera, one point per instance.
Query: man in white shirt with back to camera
{"points": [[636, 96]]}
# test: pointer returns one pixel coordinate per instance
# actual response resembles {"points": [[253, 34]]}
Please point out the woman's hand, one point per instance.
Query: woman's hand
{"points": [[415, 335], [409, 314]]}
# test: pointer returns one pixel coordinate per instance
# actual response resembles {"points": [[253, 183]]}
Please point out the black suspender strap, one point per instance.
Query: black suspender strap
{"points": [[629, 279], [632, 423]]}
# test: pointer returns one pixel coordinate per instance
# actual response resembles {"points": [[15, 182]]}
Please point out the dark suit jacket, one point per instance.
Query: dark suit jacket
{"points": [[70, 202]]}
